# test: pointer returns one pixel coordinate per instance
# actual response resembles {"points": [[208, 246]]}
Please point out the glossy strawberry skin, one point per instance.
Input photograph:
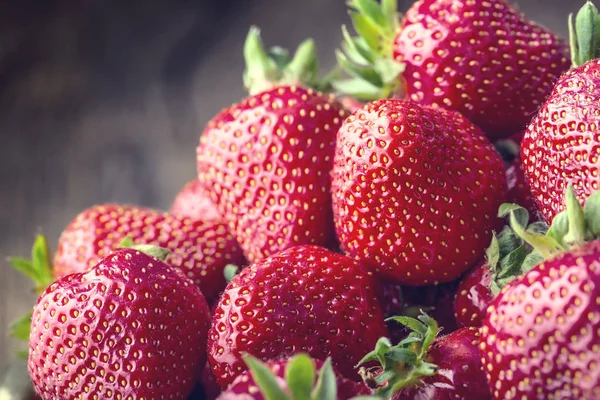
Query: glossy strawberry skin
{"points": [[481, 58], [415, 191], [561, 145], [200, 249], [244, 387], [306, 299], [266, 163], [541, 335], [473, 296], [519, 191], [118, 330], [192, 202], [460, 372]]}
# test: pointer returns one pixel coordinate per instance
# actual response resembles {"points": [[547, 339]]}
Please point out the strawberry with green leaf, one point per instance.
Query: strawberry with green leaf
{"points": [[481, 58], [422, 366], [296, 378], [541, 334]]}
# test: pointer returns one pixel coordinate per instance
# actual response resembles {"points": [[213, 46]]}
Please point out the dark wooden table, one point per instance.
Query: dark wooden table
{"points": [[105, 102]]}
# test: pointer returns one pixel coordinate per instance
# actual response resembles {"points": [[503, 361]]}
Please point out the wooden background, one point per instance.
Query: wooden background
{"points": [[105, 100]]}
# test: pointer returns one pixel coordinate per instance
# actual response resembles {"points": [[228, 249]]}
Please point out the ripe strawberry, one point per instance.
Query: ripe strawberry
{"points": [[130, 327], [481, 58], [298, 377], [192, 202], [541, 334], [415, 191], [473, 295], [423, 367], [266, 160], [305, 298], [200, 249]]}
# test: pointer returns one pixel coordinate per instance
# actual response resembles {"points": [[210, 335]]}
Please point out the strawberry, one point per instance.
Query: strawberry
{"points": [[200, 249], [192, 202], [423, 367], [473, 295], [479, 57], [295, 378], [541, 334], [305, 298], [118, 331], [560, 145], [210, 388], [266, 160], [415, 191]]}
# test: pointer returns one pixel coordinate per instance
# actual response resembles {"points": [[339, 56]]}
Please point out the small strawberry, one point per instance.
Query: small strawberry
{"points": [[415, 191], [305, 298], [295, 378], [541, 334], [479, 57], [266, 160], [200, 249], [423, 367], [129, 327], [192, 202], [561, 145]]}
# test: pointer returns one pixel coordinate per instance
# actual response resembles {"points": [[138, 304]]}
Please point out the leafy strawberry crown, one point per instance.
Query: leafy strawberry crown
{"points": [[368, 57], [584, 34], [303, 381], [266, 69], [404, 364]]}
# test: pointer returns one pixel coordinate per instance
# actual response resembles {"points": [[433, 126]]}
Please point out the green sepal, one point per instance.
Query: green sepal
{"points": [[20, 328], [300, 376], [368, 58], [266, 69], [326, 388], [230, 271], [264, 379], [39, 268], [591, 212], [584, 33], [153, 251], [405, 363]]}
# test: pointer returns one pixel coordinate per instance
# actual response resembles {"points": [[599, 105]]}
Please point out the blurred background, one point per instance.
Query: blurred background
{"points": [[104, 101]]}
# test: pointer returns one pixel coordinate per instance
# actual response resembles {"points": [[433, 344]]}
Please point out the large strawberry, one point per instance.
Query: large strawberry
{"points": [[266, 160], [305, 298], [561, 145], [541, 334], [192, 202], [479, 57], [295, 378], [130, 327], [423, 367], [200, 249], [415, 191]]}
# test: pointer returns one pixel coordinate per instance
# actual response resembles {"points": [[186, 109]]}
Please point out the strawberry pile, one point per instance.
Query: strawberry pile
{"points": [[424, 223]]}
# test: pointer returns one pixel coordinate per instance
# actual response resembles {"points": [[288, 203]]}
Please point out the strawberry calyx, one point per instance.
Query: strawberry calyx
{"points": [[404, 364], [368, 58], [572, 228], [153, 251], [302, 380], [584, 33], [267, 69]]}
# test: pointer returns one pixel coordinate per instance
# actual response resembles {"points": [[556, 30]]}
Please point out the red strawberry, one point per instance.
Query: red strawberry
{"points": [[266, 162], [305, 298], [192, 202], [200, 249], [291, 378], [421, 367], [415, 191], [473, 295], [561, 145], [541, 334], [130, 327], [479, 57], [518, 189]]}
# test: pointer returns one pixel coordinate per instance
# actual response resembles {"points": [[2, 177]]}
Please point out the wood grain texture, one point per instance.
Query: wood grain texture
{"points": [[105, 102]]}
